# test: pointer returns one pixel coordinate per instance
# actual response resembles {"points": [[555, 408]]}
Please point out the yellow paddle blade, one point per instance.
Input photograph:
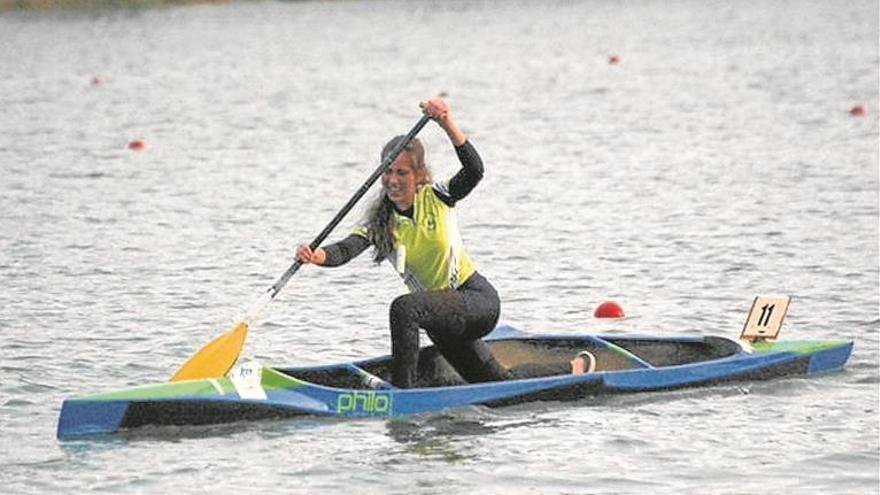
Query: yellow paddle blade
{"points": [[216, 358]]}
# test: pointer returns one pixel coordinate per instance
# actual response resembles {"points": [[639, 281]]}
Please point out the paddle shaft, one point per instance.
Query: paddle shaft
{"points": [[276, 288]]}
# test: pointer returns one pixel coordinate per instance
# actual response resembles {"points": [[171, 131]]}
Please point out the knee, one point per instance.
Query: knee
{"points": [[402, 309]]}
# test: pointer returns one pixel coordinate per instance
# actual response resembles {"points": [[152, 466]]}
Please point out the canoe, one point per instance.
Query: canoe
{"points": [[623, 364]]}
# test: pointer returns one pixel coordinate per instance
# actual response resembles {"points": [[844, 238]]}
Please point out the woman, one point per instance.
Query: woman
{"points": [[412, 224]]}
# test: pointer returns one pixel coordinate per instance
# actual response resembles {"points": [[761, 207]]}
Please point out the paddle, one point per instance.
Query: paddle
{"points": [[217, 357]]}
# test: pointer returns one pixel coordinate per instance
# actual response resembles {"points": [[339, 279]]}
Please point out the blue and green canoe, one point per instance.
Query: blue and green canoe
{"points": [[624, 364]]}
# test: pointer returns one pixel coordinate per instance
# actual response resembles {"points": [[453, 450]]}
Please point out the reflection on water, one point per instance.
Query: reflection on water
{"points": [[415, 428], [439, 436], [427, 440]]}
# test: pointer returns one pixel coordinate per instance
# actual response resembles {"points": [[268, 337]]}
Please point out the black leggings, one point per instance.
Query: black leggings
{"points": [[455, 320]]}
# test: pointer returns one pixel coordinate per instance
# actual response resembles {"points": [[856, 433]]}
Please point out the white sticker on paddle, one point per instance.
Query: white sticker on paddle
{"points": [[246, 379]]}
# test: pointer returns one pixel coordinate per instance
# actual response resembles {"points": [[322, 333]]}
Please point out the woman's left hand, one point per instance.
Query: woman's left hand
{"points": [[438, 109]]}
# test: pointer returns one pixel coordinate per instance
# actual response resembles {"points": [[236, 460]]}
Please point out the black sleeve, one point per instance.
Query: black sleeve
{"points": [[462, 183], [345, 250]]}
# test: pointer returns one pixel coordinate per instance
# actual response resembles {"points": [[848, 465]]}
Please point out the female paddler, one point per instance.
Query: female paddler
{"points": [[412, 224]]}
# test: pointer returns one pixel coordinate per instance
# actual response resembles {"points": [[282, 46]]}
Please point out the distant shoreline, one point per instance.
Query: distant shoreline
{"points": [[10, 5]]}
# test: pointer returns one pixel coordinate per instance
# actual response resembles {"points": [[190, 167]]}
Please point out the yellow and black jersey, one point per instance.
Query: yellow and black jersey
{"points": [[428, 250]]}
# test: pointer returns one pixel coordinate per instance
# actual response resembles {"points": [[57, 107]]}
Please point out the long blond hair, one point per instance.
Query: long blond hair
{"points": [[379, 217]]}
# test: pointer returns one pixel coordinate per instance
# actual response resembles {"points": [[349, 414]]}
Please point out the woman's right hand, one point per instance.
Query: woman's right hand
{"points": [[305, 255]]}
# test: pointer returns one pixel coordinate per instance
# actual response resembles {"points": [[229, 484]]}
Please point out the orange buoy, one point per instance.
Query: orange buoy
{"points": [[608, 309], [857, 111], [137, 145], [614, 59]]}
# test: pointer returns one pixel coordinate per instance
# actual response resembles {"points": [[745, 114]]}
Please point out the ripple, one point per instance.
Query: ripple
{"points": [[18, 403]]}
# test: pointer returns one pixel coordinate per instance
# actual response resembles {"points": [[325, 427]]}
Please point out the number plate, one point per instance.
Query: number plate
{"points": [[765, 318]]}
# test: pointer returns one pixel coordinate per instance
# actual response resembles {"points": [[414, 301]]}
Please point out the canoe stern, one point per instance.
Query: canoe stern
{"points": [[829, 360], [824, 355]]}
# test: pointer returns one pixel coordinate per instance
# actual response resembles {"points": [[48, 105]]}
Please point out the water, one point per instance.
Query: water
{"points": [[717, 161]]}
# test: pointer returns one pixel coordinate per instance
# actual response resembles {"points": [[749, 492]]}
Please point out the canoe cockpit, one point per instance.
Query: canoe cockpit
{"points": [[549, 356]]}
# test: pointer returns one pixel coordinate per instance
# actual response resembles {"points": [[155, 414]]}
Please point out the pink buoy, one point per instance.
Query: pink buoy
{"points": [[608, 309], [614, 59], [137, 145]]}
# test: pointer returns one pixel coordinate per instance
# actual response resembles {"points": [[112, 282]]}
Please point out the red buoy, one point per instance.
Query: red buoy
{"points": [[857, 111], [608, 309], [614, 59], [97, 80], [137, 145]]}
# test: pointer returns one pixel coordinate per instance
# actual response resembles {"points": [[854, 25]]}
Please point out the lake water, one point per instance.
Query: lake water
{"points": [[717, 160]]}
